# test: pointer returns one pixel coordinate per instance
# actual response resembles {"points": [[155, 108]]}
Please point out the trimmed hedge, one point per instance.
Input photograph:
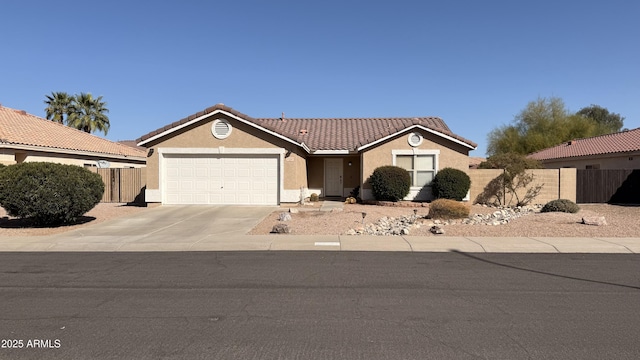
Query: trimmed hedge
{"points": [[447, 209], [49, 193], [450, 183], [561, 205], [390, 183]]}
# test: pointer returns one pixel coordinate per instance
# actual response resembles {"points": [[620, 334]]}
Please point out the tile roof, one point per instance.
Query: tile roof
{"points": [[474, 161], [328, 134], [621, 142], [17, 127]]}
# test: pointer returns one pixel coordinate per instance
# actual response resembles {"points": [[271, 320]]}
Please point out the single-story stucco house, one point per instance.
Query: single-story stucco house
{"points": [[221, 156], [28, 138], [612, 151]]}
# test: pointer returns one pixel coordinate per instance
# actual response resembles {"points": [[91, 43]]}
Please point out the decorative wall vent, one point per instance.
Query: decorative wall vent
{"points": [[221, 128], [415, 139]]}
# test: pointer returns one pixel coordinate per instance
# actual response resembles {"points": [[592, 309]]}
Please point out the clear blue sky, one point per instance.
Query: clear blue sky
{"points": [[476, 64]]}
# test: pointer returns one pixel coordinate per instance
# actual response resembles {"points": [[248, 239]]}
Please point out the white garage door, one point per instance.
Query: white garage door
{"points": [[216, 179]]}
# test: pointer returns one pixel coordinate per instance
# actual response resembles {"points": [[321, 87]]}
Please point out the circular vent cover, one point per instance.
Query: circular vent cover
{"points": [[415, 139], [221, 128]]}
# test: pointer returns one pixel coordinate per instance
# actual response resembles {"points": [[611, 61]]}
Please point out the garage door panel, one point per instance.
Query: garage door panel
{"points": [[202, 186], [208, 179], [214, 198], [229, 172], [244, 185]]}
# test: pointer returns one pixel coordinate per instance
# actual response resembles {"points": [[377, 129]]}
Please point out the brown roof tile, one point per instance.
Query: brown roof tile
{"points": [[605, 144], [328, 134], [20, 128]]}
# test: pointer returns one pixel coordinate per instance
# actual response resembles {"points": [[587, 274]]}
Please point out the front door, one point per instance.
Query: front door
{"points": [[332, 177]]}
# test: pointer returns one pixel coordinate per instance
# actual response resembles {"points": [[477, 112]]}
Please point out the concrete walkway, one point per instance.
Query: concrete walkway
{"points": [[175, 242], [328, 205]]}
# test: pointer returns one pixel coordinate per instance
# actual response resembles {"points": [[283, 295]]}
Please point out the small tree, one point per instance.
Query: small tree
{"points": [[546, 122], [390, 183], [513, 180]]}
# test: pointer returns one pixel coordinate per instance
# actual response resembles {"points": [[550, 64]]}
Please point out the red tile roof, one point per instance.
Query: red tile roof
{"points": [[605, 144], [327, 134], [20, 128]]}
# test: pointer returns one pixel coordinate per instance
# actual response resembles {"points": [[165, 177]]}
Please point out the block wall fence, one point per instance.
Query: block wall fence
{"points": [[556, 184]]}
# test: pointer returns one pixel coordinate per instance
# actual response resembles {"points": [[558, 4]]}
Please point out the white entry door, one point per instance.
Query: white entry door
{"points": [[220, 179], [333, 177]]}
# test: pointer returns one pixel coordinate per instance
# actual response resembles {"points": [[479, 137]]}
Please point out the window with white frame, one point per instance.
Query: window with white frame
{"points": [[421, 167]]}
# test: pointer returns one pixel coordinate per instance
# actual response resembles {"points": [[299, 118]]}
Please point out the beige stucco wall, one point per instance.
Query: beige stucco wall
{"points": [[619, 161], [556, 184], [451, 154], [295, 171], [242, 136], [6, 157]]}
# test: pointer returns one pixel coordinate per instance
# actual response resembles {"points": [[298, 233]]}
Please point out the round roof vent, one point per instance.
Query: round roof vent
{"points": [[221, 128], [415, 139]]}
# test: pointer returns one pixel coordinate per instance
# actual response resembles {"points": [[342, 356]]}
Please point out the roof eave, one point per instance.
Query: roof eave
{"points": [[578, 157], [450, 138], [229, 114], [332, 152], [71, 151]]}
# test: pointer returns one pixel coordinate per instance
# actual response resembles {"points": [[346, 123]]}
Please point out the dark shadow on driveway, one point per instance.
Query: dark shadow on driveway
{"points": [[7, 223]]}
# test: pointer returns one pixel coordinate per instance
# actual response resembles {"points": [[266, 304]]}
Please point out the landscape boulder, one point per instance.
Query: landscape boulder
{"points": [[280, 229], [438, 230], [285, 216]]}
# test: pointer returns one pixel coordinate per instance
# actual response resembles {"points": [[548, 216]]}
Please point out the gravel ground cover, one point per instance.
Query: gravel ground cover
{"points": [[622, 221]]}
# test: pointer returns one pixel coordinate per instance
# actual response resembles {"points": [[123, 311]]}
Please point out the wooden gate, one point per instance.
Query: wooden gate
{"points": [[123, 185], [608, 186]]}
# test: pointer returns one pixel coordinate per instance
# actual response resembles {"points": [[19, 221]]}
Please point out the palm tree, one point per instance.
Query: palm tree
{"points": [[89, 114], [59, 104]]}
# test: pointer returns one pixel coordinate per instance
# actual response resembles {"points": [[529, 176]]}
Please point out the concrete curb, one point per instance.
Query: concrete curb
{"points": [[107, 243]]}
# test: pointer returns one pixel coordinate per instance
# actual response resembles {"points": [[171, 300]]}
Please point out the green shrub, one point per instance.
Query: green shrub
{"points": [[48, 193], [450, 183], [448, 209], [390, 183], [561, 205], [313, 197]]}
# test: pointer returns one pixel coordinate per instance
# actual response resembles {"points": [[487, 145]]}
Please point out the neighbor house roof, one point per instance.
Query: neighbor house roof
{"points": [[20, 129], [341, 134], [621, 142], [474, 161]]}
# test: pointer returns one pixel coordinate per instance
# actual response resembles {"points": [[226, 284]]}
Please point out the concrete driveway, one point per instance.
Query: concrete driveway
{"points": [[167, 227]]}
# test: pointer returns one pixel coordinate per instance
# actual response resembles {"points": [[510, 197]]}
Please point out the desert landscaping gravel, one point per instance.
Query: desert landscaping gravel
{"points": [[622, 221]]}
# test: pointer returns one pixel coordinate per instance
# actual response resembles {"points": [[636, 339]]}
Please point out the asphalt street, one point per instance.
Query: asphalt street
{"points": [[319, 305]]}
